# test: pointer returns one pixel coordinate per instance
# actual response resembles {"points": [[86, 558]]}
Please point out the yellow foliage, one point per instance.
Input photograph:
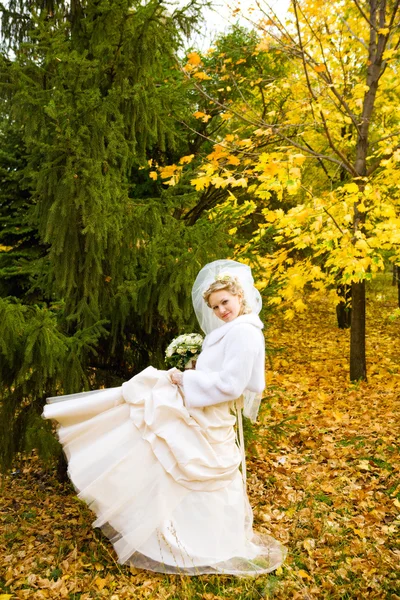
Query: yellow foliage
{"points": [[295, 147], [331, 435], [194, 59], [298, 159], [264, 45], [351, 188], [242, 182], [233, 160], [201, 115], [200, 183], [185, 160], [219, 182], [270, 216], [201, 75], [299, 305], [218, 153], [168, 171]]}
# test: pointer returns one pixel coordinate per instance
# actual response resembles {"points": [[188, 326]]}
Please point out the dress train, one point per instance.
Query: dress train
{"points": [[164, 482]]}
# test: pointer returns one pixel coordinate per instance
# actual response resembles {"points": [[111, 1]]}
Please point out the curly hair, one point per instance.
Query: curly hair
{"points": [[232, 285]]}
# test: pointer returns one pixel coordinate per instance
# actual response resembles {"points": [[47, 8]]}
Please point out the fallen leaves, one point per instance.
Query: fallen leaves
{"points": [[343, 456], [322, 478]]}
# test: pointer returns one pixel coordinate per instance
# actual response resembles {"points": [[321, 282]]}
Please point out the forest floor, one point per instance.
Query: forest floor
{"points": [[323, 477]]}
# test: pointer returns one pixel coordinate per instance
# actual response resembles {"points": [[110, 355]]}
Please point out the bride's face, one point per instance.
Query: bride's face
{"points": [[225, 305]]}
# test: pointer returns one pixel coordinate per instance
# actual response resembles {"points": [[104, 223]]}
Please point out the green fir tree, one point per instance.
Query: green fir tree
{"points": [[90, 90]]}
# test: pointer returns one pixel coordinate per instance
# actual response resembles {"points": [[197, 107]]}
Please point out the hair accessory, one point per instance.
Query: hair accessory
{"points": [[226, 278]]}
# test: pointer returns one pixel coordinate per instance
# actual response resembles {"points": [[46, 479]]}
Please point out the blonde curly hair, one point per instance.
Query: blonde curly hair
{"points": [[232, 285]]}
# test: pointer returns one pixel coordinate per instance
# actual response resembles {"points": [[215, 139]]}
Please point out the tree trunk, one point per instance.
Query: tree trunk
{"points": [[398, 285], [62, 469], [343, 309], [358, 366]]}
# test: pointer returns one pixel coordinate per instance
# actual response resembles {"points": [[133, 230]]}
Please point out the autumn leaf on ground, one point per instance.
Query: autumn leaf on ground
{"points": [[322, 478]]}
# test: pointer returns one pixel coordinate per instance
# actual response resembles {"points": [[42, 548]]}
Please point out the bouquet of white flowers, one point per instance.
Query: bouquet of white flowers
{"points": [[184, 350]]}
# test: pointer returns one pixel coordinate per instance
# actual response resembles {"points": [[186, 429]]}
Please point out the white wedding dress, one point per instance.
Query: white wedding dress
{"points": [[163, 479]]}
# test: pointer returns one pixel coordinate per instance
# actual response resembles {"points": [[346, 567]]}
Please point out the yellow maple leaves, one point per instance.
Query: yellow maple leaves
{"points": [[185, 160], [321, 208], [201, 115], [194, 59], [193, 67], [201, 75], [203, 181], [170, 173]]}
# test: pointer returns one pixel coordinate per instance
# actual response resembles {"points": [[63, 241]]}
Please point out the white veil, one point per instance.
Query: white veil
{"points": [[207, 319], [208, 274]]}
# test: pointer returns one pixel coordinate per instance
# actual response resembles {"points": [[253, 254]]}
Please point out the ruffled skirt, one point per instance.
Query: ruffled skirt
{"points": [[164, 482]]}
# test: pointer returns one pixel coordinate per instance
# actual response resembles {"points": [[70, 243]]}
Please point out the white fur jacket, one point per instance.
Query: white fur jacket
{"points": [[232, 360]]}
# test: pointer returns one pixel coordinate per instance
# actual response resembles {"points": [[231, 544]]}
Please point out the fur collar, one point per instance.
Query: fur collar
{"points": [[217, 334]]}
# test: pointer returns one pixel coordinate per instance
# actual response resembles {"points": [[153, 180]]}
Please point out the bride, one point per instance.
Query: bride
{"points": [[158, 460]]}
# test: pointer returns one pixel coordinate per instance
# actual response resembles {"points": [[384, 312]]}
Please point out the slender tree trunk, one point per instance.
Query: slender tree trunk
{"points": [[358, 368], [343, 309], [62, 469], [375, 69], [398, 285]]}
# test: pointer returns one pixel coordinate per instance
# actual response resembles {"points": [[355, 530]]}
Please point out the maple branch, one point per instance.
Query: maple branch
{"points": [[336, 150], [363, 14], [234, 82], [378, 162], [355, 36], [276, 131], [382, 14], [208, 199], [387, 137], [221, 105], [312, 153], [216, 129], [333, 219], [394, 12], [375, 70], [343, 102], [321, 162], [277, 22], [264, 103], [206, 137], [302, 53], [327, 79]]}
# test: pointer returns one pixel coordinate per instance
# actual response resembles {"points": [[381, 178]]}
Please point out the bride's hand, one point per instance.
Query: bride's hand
{"points": [[177, 377]]}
